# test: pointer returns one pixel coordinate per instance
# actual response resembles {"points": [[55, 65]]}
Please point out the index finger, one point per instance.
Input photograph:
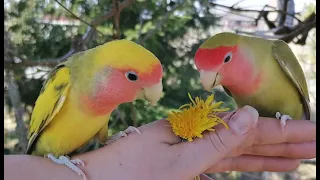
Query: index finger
{"points": [[268, 131]]}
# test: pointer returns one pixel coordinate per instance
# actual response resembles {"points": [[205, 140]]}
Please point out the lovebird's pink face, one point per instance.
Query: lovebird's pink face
{"points": [[224, 65], [125, 85], [216, 66]]}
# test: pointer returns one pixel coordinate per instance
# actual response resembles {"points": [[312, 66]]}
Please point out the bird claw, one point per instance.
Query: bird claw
{"points": [[77, 162], [132, 129], [72, 164], [121, 134], [283, 118]]}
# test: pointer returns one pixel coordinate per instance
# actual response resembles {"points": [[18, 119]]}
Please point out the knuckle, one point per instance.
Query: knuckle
{"points": [[216, 142]]}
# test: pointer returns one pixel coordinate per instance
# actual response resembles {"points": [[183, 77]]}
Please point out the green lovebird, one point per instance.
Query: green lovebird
{"points": [[264, 74]]}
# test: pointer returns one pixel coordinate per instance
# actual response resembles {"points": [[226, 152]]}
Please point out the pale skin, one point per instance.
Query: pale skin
{"points": [[258, 144]]}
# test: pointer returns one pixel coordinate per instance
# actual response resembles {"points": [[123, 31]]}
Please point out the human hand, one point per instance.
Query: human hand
{"points": [[159, 154]]}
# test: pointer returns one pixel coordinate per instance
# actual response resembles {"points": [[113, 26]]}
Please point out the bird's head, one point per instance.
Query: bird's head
{"points": [[122, 71], [221, 61]]}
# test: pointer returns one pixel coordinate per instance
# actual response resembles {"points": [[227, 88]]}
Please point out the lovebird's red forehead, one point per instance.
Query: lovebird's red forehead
{"points": [[152, 75], [207, 59]]}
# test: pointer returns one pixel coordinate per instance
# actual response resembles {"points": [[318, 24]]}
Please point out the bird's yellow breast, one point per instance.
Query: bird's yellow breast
{"points": [[70, 129]]}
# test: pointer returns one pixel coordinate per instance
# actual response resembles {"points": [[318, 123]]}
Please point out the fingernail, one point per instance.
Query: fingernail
{"points": [[244, 120]]}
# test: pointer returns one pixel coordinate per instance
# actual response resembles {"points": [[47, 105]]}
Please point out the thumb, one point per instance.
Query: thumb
{"points": [[201, 154]]}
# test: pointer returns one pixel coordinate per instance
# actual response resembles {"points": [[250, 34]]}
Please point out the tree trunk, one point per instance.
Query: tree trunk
{"points": [[14, 96], [287, 7]]}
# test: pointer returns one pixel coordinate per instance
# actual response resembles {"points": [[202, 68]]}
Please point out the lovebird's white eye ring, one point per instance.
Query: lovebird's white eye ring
{"points": [[227, 57], [131, 76]]}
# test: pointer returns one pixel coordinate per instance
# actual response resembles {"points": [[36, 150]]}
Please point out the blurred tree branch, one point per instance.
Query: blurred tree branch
{"points": [[160, 23], [302, 28], [116, 26], [280, 31], [110, 14], [233, 8], [90, 25], [78, 44]]}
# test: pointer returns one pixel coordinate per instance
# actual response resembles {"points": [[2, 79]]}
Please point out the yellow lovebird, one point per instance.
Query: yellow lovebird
{"points": [[264, 74], [79, 95]]}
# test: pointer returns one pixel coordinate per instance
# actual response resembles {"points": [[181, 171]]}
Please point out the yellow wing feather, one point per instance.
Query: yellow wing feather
{"points": [[49, 102]]}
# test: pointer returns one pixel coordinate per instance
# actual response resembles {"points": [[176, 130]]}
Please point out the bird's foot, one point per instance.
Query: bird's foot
{"points": [[121, 134], [283, 119], [72, 164], [115, 137]]}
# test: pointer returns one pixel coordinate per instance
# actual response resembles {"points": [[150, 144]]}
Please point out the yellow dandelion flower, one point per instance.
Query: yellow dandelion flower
{"points": [[196, 117]]}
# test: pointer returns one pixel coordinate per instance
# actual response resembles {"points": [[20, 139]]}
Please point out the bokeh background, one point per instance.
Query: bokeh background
{"points": [[38, 34]]}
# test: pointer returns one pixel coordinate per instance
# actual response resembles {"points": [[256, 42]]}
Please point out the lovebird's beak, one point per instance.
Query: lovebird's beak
{"points": [[151, 93], [209, 79]]}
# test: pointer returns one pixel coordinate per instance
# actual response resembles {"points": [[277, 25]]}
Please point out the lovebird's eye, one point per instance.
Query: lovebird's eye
{"points": [[131, 76], [228, 57]]}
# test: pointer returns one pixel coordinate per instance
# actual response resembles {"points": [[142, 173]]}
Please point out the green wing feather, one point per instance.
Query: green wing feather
{"points": [[290, 65]]}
